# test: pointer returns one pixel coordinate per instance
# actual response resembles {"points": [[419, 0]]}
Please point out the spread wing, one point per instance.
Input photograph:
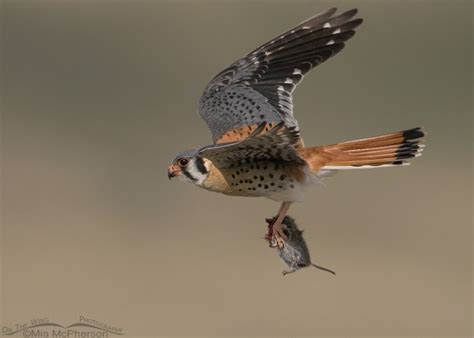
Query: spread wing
{"points": [[257, 88], [264, 143]]}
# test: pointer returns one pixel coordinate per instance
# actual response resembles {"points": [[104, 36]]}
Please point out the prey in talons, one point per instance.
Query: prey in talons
{"points": [[291, 248]]}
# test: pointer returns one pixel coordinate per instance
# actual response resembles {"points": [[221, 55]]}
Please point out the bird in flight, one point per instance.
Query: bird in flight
{"points": [[257, 148]]}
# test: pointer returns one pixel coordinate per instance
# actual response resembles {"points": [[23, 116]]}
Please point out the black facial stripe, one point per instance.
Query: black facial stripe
{"points": [[200, 165], [188, 175]]}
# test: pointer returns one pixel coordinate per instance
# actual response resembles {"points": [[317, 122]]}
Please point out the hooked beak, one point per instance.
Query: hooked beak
{"points": [[173, 171]]}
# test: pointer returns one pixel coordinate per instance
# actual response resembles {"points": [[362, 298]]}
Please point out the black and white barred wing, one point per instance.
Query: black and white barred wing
{"points": [[258, 87], [265, 143]]}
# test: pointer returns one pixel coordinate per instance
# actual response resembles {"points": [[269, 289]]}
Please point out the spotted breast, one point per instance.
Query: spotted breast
{"points": [[274, 180]]}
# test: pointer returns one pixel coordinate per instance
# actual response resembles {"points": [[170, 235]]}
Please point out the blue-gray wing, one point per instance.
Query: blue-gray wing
{"points": [[275, 143], [258, 87]]}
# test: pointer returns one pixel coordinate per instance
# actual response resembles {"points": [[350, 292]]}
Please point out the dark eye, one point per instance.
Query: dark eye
{"points": [[183, 162]]}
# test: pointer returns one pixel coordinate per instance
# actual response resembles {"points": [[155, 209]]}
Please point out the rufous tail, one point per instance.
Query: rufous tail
{"points": [[380, 151]]}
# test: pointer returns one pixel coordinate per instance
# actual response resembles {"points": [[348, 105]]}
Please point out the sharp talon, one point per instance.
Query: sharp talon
{"points": [[278, 232]]}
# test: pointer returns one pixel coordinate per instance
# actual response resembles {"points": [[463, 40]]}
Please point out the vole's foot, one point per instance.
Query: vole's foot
{"points": [[270, 222], [269, 234], [285, 272]]}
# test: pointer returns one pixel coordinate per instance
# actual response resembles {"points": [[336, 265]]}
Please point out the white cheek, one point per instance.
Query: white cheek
{"points": [[183, 178], [194, 172]]}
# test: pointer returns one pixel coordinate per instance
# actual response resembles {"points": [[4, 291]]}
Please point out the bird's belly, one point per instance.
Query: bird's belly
{"points": [[265, 179]]}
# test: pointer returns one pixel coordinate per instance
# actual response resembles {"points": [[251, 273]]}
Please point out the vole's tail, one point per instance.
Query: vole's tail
{"points": [[323, 268]]}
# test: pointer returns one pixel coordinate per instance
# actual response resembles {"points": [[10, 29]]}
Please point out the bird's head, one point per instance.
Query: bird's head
{"points": [[188, 166]]}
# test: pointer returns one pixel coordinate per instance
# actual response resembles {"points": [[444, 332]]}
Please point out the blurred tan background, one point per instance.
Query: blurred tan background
{"points": [[99, 96]]}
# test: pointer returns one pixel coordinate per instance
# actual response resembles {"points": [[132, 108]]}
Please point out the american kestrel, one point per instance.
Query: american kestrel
{"points": [[258, 150]]}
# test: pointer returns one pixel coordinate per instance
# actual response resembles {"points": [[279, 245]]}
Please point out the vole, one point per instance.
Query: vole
{"points": [[293, 251]]}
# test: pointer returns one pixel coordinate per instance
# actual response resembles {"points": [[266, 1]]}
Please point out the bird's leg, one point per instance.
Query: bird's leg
{"points": [[277, 231]]}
